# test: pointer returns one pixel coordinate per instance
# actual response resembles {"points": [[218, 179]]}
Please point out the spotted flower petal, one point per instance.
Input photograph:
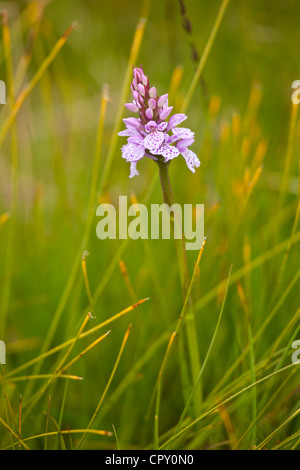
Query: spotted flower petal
{"points": [[154, 140], [133, 170], [191, 159], [182, 133], [151, 126], [132, 152], [136, 139], [168, 152], [162, 126]]}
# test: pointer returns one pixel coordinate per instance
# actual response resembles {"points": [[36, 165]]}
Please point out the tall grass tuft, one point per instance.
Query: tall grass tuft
{"points": [[113, 344]]}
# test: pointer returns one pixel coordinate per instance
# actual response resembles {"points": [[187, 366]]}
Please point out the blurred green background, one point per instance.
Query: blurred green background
{"points": [[240, 113]]}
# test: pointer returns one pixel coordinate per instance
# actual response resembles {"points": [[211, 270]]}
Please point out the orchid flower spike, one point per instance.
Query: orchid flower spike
{"points": [[150, 135]]}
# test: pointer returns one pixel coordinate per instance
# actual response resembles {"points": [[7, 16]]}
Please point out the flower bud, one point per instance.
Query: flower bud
{"points": [[152, 92], [132, 122], [149, 113], [165, 112], [141, 89], [134, 84], [137, 74], [152, 103], [135, 95], [132, 107], [162, 100]]}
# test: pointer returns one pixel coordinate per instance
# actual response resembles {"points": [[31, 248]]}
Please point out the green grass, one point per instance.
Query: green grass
{"points": [[102, 349]]}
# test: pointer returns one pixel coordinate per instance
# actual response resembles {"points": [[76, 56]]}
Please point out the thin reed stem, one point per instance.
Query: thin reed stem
{"points": [[184, 278]]}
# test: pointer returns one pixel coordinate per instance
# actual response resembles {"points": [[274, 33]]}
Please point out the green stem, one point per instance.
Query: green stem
{"points": [[185, 282], [179, 244]]}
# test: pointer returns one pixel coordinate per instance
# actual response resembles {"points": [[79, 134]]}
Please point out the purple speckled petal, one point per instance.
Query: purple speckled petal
{"points": [[183, 132], [162, 126], [168, 151], [191, 159], [175, 120], [136, 139], [133, 170], [154, 140], [150, 126], [132, 152]]}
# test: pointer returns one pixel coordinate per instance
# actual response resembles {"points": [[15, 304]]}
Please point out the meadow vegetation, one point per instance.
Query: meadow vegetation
{"points": [[100, 353]]}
